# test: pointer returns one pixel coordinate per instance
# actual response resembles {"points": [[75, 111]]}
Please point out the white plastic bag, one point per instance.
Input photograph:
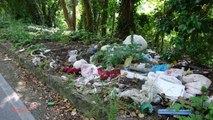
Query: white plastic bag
{"points": [[176, 72], [169, 85], [72, 56], [88, 70], [137, 39], [132, 75], [79, 63], [134, 94], [194, 83]]}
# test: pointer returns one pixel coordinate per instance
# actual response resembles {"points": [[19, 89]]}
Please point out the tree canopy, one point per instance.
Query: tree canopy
{"points": [[177, 28]]}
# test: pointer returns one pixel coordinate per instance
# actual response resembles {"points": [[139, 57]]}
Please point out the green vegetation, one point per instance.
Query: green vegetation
{"points": [[177, 29], [201, 109], [173, 28], [116, 55]]}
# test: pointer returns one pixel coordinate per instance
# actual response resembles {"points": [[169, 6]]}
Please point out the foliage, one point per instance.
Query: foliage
{"points": [[201, 109], [178, 28], [186, 22], [116, 54], [84, 36], [113, 107], [20, 33], [14, 30]]}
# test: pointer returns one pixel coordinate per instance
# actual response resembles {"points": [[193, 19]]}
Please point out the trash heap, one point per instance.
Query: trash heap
{"points": [[131, 71]]}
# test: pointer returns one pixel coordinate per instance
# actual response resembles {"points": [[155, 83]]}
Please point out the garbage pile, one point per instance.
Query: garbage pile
{"points": [[132, 71], [152, 76]]}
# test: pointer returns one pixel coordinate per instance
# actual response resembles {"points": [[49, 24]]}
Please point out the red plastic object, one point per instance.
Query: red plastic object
{"points": [[108, 74], [71, 70]]}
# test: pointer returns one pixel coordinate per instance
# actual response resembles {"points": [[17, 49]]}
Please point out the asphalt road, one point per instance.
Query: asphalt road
{"points": [[11, 107]]}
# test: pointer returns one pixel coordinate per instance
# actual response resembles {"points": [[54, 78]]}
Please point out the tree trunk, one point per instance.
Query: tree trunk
{"points": [[43, 8], [34, 11], [104, 17], [54, 9], [89, 18], [113, 25], [73, 14], [66, 14], [156, 41], [126, 23]]}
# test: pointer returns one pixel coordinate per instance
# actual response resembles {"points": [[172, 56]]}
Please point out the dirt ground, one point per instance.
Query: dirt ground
{"points": [[34, 93]]}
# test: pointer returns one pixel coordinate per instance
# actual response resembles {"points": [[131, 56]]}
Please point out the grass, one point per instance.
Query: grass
{"points": [[23, 34]]}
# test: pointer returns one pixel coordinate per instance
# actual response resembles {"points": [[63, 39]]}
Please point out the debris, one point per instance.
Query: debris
{"points": [[128, 61], [91, 59], [162, 67], [71, 70], [140, 68], [148, 58], [74, 112], [153, 54], [163, 76], [33, 105], [108, 74], [149, 91], [146, 108], [176, 72], [7, 59], [122, 112], [169, 85], [174, 112], [140, 115], [194, 83], [21, 50], [36, 61], [64, 78], [105, 47], [92, 49], [72, 56], [93, 91], [137, 39], [79, 63], [99, 84], [37, 53], [51, 103], [47, 50], [133, 114], [53, 64], [89, 70], [134, 94], [171, 90], [210, 99], [132, 75]]}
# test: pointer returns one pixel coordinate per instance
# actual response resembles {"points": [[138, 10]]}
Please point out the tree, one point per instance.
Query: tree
{"points": [[49, 9], [33, 9], [88, 15], [126, 23], [112, 8], [104, 17], [73, 4], [66, 14]]}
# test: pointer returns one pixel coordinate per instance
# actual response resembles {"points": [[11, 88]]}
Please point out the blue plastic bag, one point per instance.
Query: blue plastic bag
{"points": [[162, 67]]}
